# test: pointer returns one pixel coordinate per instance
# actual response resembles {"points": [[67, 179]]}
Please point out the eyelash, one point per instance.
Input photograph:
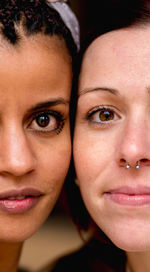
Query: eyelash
{"points": [[59, 119], [100, 109]]}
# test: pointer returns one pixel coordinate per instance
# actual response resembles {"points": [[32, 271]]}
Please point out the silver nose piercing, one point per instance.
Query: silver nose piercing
{"points": [[137, 166], [127, 166]]}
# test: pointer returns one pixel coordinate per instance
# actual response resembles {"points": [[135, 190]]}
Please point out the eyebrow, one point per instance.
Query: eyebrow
{"points": [[105, 89], [49, 103]]}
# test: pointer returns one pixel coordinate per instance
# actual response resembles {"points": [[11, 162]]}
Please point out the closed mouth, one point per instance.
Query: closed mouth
{"points": [[18, 202]]}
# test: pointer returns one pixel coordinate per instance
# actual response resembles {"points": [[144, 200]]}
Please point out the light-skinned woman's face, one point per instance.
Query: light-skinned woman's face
{"points": [[35, 86], [112, 129]]}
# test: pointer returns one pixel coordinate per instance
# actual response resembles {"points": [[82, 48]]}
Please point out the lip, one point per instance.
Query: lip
{"points": [[28, 199], [131, 196]]}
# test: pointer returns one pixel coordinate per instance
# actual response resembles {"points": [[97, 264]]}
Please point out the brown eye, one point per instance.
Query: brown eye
{"points": [[43, 120], [47, 121], [102, 115], [105, 115]]}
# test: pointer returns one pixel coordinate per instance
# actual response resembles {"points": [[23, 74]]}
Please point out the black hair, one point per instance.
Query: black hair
{"points": [[115, 14], [34, 16]]}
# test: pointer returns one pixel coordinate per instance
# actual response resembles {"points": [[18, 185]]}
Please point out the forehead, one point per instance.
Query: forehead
{"points": [[36, 68], [40, 53], [119, 54], [35, 44]]}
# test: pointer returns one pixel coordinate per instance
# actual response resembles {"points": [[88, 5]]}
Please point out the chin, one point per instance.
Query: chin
{"points": [[131, 242], [14, 238], [131, 246], [129, 233], [16, 234], [18, 228]]}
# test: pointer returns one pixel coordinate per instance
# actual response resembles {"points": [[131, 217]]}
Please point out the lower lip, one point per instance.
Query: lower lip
{"points": [[130, 200], [18, 206]]}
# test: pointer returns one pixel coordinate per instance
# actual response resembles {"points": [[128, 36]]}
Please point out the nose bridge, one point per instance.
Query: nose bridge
{"points": [[16, 155], [135, 142]]}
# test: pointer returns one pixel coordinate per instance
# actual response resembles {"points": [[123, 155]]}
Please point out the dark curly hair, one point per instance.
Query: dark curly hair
{"points": [[34, 16]]}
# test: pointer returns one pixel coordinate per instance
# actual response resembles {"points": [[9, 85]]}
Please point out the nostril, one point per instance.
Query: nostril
{"points": [[144, 160], [128, 164], [123, 162]]}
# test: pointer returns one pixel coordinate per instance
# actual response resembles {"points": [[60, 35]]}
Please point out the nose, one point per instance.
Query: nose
{"points": [[134, 146], [16, 156]]}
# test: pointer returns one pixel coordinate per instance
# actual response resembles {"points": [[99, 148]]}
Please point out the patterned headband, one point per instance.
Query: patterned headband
{"points": [[68, 18]]}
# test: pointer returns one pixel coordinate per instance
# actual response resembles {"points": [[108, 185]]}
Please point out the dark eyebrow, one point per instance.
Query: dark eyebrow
{"points": [[48, 103], [88, 90]]}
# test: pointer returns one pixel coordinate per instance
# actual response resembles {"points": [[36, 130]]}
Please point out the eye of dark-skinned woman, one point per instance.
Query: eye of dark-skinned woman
{"points": [[43, 120]]}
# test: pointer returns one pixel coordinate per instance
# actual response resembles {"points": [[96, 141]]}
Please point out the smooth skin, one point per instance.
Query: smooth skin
{"points": [[112, 128], [34, 74]]}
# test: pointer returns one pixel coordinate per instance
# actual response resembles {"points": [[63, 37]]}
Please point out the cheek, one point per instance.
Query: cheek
{"points": [[92, 153], [49, 179], [54, 163]]}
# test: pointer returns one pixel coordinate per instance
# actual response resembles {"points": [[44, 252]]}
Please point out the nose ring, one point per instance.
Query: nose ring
{"points": [[137, 166], [127, 166]]}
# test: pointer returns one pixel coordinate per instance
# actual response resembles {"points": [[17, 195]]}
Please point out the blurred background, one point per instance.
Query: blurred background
{"points": [[101, 12], [89, 12]]}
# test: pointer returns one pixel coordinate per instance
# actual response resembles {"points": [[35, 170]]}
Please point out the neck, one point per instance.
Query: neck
{"points": [[139, 261], [9, 256]]}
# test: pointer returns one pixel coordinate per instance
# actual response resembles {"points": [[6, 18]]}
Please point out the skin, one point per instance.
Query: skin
{"points": [[115, 73], [36, 71]]}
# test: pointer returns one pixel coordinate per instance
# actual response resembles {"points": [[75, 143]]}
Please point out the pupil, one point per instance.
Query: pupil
{"points": [[106, 115], [43, 121]]}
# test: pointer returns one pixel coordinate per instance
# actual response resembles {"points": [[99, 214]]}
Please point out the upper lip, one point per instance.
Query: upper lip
{"points": [[22, 192], [139, 190]]}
